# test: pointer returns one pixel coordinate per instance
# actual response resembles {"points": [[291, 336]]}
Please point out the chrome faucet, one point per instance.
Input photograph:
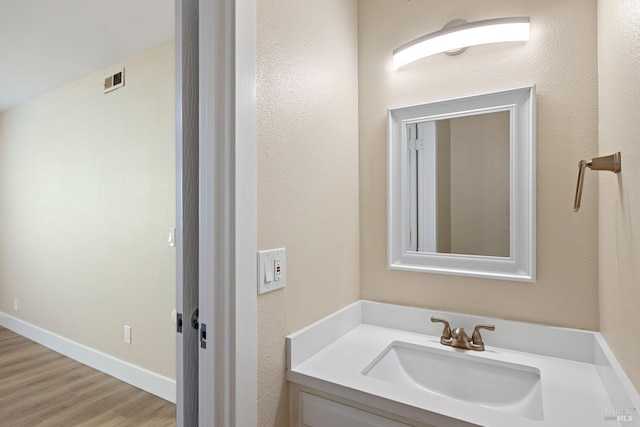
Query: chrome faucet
{"points": [[458, 337]]}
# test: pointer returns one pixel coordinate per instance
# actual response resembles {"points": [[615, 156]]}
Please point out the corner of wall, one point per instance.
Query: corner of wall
{"points": [[619, 207]]}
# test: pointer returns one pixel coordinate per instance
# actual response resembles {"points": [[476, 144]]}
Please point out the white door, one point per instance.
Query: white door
{"points": [[187, 231], [217, 366]]}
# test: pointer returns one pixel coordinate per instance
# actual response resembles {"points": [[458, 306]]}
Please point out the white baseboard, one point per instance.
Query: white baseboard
{"points": [[141, 378]]}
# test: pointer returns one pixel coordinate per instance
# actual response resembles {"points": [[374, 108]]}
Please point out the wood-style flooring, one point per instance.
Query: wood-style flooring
{"points": [[39, 387]]}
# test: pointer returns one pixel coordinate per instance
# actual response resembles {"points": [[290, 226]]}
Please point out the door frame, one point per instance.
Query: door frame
{"points": [[187, 229], [227, 190], [245, 301]]}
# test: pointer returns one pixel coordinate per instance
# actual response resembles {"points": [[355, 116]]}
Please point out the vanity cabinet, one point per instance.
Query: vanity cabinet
{"points": [[319, 412], [312, 408]]}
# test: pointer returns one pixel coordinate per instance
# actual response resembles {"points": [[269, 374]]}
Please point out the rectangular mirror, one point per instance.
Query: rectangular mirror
{"points": [[462, 186]]}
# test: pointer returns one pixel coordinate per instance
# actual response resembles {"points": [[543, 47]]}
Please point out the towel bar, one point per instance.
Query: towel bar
{"points": [[611, 163]]}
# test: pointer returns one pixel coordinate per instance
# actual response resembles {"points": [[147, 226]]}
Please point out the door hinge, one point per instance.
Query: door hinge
{"points": [[203, 335], [415, 144], [179, 323]]}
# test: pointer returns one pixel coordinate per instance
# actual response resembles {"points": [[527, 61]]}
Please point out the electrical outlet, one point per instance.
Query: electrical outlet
{"points": [[271, 270], [127, 334], [15, 304], [277, 269]]}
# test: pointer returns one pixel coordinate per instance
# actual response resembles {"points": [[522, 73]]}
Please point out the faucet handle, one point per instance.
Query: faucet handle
{"points": [[446, 332], [476, 338]]}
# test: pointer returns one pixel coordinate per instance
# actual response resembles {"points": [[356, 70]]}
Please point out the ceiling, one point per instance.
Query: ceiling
{"points": [[45, 44]]}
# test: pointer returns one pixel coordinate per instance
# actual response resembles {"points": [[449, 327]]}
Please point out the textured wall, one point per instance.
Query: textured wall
{"points": [[561, 59], [307, 107], [619, 101], [87, 183]]}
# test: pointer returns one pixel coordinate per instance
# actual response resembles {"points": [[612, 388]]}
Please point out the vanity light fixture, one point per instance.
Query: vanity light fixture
{"points": [[457, 35]]}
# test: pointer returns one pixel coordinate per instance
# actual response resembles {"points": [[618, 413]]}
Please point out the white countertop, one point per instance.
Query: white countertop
{"points": [[333, 353]]}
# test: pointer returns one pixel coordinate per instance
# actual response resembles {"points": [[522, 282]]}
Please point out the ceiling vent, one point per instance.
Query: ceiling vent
{"points": [[114, 81]]}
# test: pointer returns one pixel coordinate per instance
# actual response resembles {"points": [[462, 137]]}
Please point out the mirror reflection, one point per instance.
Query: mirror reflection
{"points": [[459, 185]]}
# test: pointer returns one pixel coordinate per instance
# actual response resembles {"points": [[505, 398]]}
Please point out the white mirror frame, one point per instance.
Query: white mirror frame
{"points": [[521, 263]]}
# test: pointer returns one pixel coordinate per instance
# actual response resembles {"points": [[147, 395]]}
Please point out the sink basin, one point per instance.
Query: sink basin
{"points": [[504, 386]]}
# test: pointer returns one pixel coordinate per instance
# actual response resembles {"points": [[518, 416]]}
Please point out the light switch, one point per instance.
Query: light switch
{"points": [[268, 271], [171, 237], [127, 334], [271, 270]]}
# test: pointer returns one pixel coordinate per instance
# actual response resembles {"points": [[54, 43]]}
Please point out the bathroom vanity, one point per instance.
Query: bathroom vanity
{"points": [[373, 364]]}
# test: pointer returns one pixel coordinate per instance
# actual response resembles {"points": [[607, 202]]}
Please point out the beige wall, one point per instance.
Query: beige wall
{"points": [[619, 100], [480, 184], [307, 174], [561, 60], [87, 190]]}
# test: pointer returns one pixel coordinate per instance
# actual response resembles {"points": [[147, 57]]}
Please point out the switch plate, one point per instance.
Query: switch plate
{"points": [[171, 237], [272, 268], [127, 334], [15, 304]]}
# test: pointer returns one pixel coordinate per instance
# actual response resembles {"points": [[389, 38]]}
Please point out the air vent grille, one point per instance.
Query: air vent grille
{"points": [[114, 81]]}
